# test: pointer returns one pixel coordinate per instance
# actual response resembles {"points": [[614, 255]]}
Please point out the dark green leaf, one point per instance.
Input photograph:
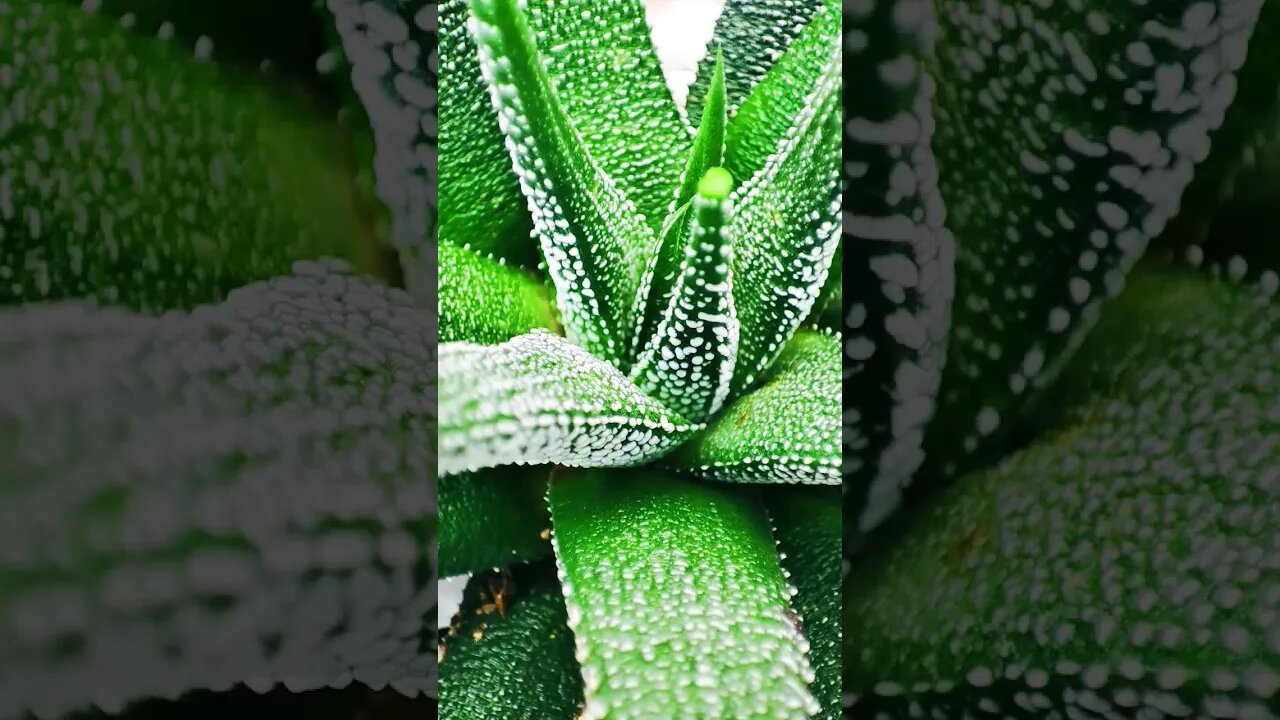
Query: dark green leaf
{"points": [[787, 431], [197, 500], [752, 33], [493, 517], [676, 599], [898, 259], [594, 243], [484, 208], [1065, 137], [771, 108], [807, 524], [511, 662], [789, 221], [1121, 561], [227, 182], [486, 301]]}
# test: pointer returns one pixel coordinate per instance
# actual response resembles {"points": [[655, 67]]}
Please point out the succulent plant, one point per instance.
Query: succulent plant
{"points": [[634, 381], [1060, 511], [217, 435], [224, 436]]}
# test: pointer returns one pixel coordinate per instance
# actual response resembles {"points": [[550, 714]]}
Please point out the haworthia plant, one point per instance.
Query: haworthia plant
{"points": [[681, 266], [231, 495], [1081, 577], [217, 464], [1064, 135]]}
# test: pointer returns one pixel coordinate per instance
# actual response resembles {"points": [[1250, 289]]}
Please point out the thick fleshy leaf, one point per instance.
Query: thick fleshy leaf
{"points": [[1121, 566], [480, 193], [768, 112], [594, 242], [676, 599], [227, 182], [609, 81], [665, 266], [787, 431], [391, 53], [514, 660], [689, 361], [197, 500], [484, 300], [752, 33], [898, 257], [1065, 137], [539, 398], [789, 221], [493, 517], [807, 524]]}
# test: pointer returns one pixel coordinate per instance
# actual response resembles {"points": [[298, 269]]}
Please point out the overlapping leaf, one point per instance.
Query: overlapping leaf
{"points": [[512, 301], [807, 524], [541, 399], [609, 82], [1152, 503], [790, 212], [593, 240], [676, 599], [753, 33], [1065, 137], [227, 182], [768, 112], [480, 194], [787, 431], [898, 257], [493, 517], [664, 267], [688, 363], [195, 500], [513, 661]]}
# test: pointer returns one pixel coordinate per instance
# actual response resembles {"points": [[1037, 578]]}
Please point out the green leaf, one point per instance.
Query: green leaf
{"points": [[768, 112], [787, 431], [484, 300], [485, 209], [164, 479], [688, 363], [899, 259], [752, 33], [1065, 137], [676, 599], [540, 399], [807, 524], [789, 218], [516, 662], [664, 266], [227, 182], [610, 83], [594, 243], [493, 517], [391, 55], [1118, 560]]}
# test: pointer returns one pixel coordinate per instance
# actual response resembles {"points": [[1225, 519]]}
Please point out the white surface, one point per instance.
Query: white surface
{"points": [[681, 29]]}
